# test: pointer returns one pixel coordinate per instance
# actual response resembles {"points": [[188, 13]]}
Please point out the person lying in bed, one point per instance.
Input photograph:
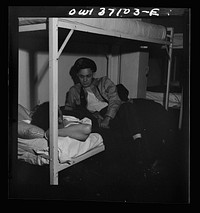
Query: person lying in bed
{"points": [[76, 130]]}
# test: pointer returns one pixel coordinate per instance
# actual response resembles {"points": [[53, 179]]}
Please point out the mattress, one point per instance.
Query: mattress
{"points": [[174, 98], [121, 27], [178, 41]]}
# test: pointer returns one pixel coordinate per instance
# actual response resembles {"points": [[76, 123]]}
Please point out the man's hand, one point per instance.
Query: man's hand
{"points": [[105, 122], [97, 115]]}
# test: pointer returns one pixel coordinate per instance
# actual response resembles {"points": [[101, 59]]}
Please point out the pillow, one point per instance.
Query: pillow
{"points": [[29, 131], [23, 113]]}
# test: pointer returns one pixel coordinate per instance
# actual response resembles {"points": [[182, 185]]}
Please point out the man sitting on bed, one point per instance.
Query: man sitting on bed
{"points": [[97, 99]]}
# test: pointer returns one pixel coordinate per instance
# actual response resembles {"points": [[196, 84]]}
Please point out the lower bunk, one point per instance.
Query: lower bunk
{"points": [[70, 151], [157, 93], [175, 101], [34, 148]]}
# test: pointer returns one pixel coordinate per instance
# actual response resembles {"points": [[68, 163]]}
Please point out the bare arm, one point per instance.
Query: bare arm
{"points": [[76, 131]]}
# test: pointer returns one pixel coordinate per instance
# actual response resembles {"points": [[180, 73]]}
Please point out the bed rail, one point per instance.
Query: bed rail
{"points": [[170, 36]]}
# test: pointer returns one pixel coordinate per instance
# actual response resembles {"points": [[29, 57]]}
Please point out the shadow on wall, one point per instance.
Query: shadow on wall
{"points": [[38, 63], [36, 77], [32, 43]]}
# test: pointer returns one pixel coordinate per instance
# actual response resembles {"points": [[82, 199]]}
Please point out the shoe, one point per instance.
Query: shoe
{"points": [[137, 136]]}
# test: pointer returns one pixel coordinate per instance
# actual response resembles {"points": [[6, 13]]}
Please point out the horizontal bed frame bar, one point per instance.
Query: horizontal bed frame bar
{"points": [[82, 157], [32, 27]]}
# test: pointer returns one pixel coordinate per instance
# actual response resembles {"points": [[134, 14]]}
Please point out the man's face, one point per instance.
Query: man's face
{"points": [[85, 76]]}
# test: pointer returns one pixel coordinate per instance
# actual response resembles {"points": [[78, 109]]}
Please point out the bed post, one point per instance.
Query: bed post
{"points": [[53, 99], [169, 66]]}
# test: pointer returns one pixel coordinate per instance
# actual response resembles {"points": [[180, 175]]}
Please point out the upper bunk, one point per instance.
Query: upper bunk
{"points": [[127, 28]]}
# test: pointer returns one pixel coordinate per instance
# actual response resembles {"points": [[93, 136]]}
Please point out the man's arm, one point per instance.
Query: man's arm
{"points": [[76, 131], [114, 101]]}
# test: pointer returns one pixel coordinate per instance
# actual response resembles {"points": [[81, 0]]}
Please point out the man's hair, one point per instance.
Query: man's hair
{"points": [[40, 117], [83, 63]]}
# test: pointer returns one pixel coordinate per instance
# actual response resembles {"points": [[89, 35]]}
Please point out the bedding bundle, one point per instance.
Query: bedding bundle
{"points": [[33, 148], [36, 151]]}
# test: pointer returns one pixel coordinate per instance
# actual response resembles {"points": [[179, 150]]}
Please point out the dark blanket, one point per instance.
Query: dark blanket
{"points": [[155, 124]]}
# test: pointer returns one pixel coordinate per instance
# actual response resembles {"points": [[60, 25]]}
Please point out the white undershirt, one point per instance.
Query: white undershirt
{"points": [[93, 103]]}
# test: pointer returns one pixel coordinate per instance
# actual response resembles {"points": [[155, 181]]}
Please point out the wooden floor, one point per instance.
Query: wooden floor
{"points": [[102, 179]]}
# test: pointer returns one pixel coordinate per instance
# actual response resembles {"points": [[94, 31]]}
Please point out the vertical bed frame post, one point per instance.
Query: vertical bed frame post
{"points": [[53, 99], [169, 66]]}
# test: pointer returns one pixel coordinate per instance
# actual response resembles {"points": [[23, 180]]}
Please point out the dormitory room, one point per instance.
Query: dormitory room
{"points": [[99, 106]]}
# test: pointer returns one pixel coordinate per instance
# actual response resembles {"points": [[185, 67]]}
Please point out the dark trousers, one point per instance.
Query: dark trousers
{"points": [[157, 125], [126, 121]]}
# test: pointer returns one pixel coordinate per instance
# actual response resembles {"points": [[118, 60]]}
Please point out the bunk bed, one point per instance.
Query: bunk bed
{"points": [[131, 29], [175, 91]]}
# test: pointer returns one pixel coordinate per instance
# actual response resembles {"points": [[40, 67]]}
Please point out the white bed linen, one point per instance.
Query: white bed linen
{"points": [[174, 98], [36, 151]]}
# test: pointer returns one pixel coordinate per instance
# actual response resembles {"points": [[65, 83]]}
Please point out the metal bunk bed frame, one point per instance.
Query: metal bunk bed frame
{"points": [[52, 26]]}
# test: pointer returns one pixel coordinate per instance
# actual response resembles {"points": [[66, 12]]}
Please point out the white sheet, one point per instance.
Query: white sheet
{"points": [[36, 151]]}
